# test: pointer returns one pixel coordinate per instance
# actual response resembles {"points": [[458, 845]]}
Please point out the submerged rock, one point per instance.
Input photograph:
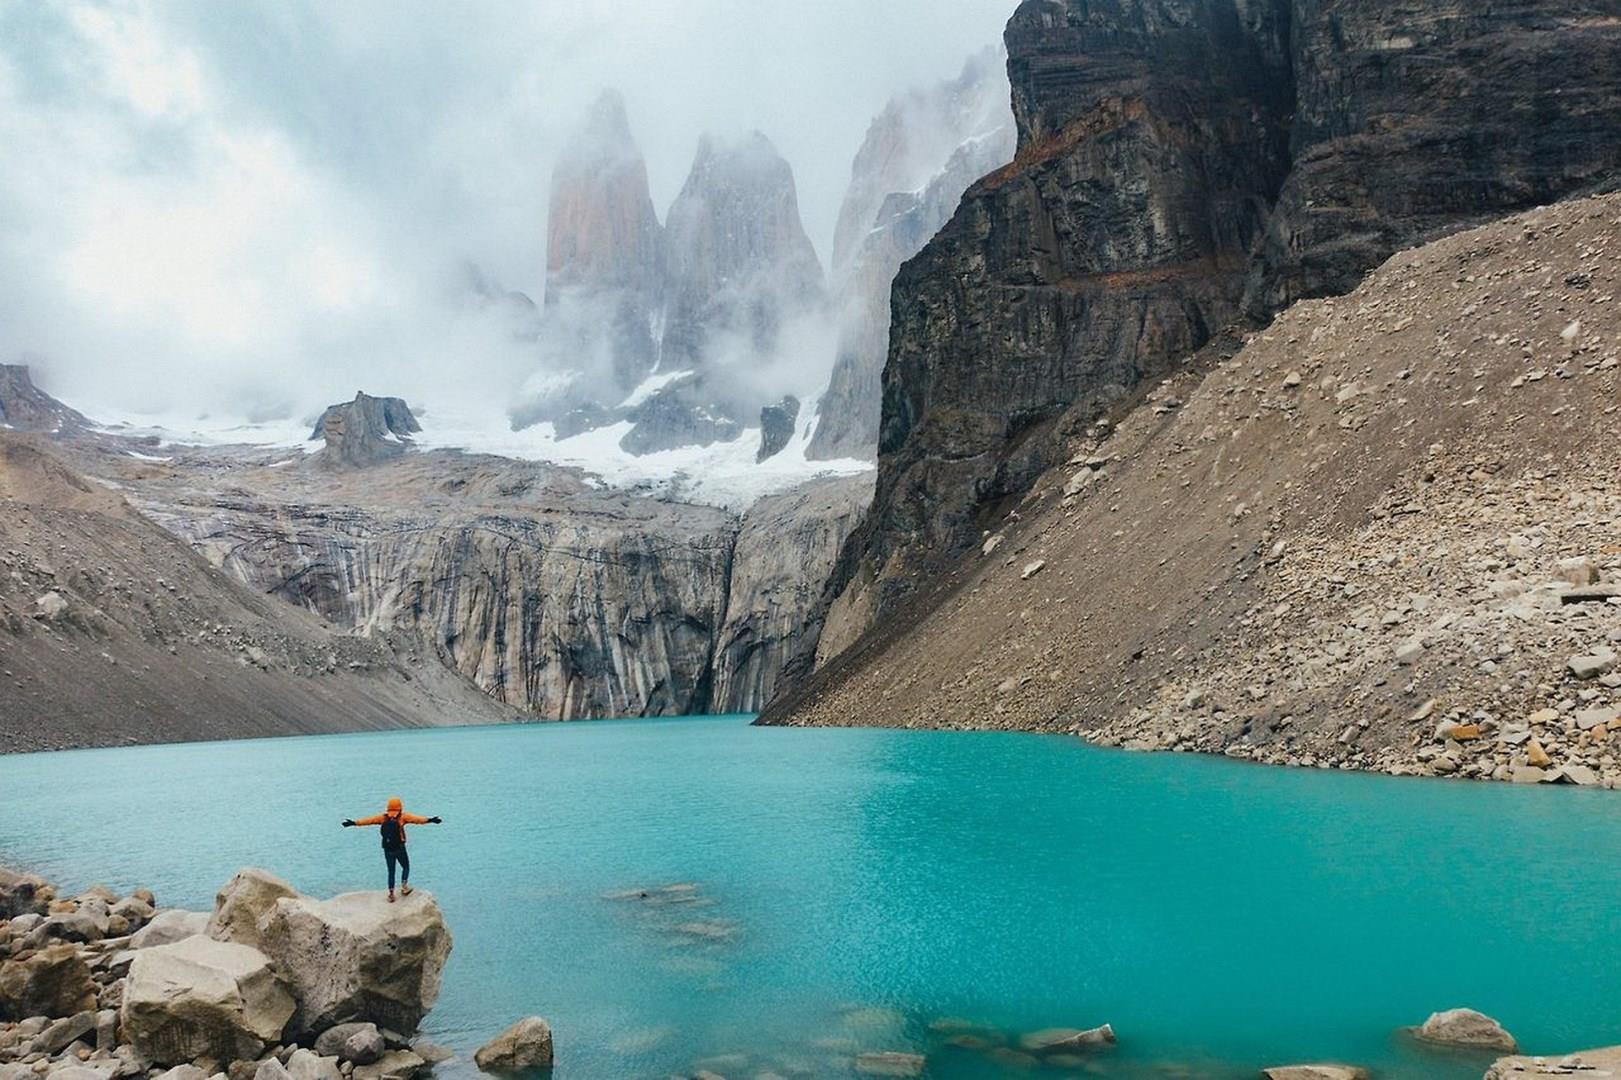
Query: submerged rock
{"points": [[200, 997], [1466, 1027], [1315, 1072], [889, 1063], [1067, 1040], [525, 1045], [358, 957]]}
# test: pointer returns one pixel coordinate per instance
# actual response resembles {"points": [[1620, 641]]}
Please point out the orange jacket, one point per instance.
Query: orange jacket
{"points": [[405, 819]]}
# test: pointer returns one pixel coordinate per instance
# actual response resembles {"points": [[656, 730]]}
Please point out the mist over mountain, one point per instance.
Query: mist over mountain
{"points": [[252, 213]]}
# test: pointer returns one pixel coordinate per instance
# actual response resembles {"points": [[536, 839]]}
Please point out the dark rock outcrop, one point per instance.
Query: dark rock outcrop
{"points": [[777, 427], [25, 407], [919, 156], [365, 431], [681, 413], [1183, 165], [1412, 120]]}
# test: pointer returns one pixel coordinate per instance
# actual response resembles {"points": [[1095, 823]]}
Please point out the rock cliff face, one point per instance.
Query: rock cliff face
{"points": [[920, 154], [784, 552], [604, 277], [739, 274], [1413, 119], [113, 631], [550, 596], [1181, 164], [1377, 534]]}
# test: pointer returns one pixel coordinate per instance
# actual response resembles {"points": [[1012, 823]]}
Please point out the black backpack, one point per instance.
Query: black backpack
{"points": [[393, 830]]}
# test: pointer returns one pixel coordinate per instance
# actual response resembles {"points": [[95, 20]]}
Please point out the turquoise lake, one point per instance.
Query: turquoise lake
{"points": [[851, 887]]}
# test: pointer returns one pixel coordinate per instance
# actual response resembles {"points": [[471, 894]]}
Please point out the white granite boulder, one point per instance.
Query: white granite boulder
{"points": [[203, 998], [358, 957], [525, 1045], [243, 903]]}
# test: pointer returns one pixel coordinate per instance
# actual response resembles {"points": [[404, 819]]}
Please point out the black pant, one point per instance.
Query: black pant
{"points": [[393, 855]]}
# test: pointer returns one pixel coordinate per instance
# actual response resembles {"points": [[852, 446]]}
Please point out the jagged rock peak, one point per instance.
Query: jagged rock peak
{"points": [[25, 407], [737, 216], [913, 138], [365, 430], [919, 155], [602, 230]]}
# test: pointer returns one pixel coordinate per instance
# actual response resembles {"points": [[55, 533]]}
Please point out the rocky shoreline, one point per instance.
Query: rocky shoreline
{"points": [[275, 985], [270, 985]]}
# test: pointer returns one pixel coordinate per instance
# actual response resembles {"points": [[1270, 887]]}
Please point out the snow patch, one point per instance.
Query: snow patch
{"points": [[722, 474], [650, 386]]}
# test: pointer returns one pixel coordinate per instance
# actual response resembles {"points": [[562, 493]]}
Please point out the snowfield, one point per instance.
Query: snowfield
{"points": [[722, 474]]}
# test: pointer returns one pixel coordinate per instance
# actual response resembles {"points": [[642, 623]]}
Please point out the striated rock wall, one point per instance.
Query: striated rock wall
{"points": [[548, 595], [588, 608], [1182, 166], [784, 553], [1412, 119], [113, 631]]}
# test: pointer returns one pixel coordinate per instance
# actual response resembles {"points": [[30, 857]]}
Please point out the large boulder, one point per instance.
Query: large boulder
{"points": [[243, 903], [358, 957], [20, 894], [525, 1045], [203, 998], [1315, 1072], [357, 1042], [168, 927], [1466, 1028], [55, 981], [394, 1065], [308, 1065]]}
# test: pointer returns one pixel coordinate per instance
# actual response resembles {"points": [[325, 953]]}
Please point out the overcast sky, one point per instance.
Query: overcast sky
{"points": [[256, 203]]}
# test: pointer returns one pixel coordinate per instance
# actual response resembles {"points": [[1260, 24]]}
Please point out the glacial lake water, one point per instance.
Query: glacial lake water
{"points": [[852, 887]]}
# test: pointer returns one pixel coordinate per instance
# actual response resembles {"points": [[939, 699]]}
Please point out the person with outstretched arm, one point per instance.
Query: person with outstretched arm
{"points": [[391, 823]]}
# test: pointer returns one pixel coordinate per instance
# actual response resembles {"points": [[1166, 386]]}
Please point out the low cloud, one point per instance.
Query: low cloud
{"points": [[261, 207]]}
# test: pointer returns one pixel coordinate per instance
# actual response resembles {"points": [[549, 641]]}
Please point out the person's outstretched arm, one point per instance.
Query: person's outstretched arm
{"points": [[417, 819], [375, 820]]}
